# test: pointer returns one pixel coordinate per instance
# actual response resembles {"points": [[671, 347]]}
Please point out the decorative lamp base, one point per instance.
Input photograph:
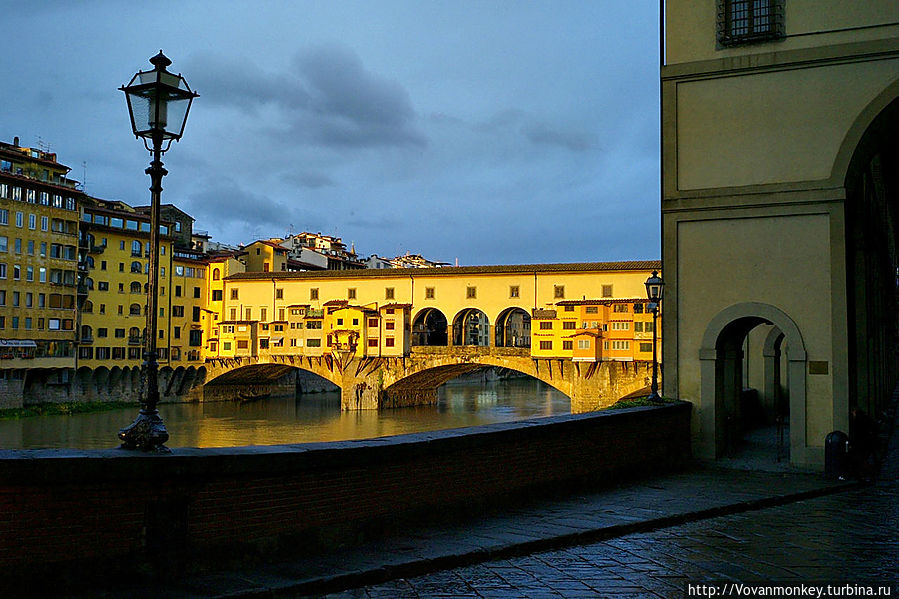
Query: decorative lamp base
{"points": [[146, 433]]}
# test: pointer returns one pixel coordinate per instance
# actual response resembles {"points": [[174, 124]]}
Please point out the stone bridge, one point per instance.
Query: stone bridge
{"points": [[375, 383]]}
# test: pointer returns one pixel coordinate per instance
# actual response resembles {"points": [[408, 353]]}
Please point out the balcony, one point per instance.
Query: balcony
{"points": [[87, 340], [135, 341]]}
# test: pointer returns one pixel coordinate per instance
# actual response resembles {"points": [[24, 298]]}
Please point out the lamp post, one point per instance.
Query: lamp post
{"points": [[654, 288], [158, 103]]}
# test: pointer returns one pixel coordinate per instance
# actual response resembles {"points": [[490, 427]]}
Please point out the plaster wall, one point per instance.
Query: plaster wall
{"points": [[691, 25], [771, 127], [774, 260]]}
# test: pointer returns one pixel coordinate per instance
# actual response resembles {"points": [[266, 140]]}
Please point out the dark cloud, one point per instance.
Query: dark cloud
{"points": [[310, 180], [226, 205], [540, 133], [326, 97]]}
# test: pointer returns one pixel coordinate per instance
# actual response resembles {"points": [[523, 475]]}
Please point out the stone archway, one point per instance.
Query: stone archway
{"points": [[721, 358]]}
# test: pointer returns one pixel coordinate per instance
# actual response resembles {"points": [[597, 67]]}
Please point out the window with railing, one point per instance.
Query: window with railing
{"points": [[749, 21]]}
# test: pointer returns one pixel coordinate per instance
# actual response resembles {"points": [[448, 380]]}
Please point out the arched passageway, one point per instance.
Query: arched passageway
{"points": [[748, 350], [429, 328], [513, 328], [872, 261], [471, 327]]}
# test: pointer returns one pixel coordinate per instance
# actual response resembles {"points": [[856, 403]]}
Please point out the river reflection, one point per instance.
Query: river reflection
{"points": [[304, 419]]}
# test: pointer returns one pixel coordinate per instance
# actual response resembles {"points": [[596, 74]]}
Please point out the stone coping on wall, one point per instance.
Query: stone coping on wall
{"points": [[36, 466]]}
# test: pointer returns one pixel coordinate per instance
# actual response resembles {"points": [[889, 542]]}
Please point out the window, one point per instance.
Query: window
{"points": [[546, 325], [248, 313], [339, 322], [621, 326], [32, 221], [546, 345], [513, 291], [390, 325], [215, 274], [389, 342], [388, 293], [45, 223], [134, 310], [20, 219], [177, 290], [2, 270], [234, 294], [638, 327], [279, 293], [607, 291], [263, 314], [621, 345], [216, 295], [569, 308], [16, 272], [559, 291], [569, 324], [178, 312], [567, 344], [373, 342], [313, 293], [372, 322], [583, 344], [102, 285], [176, 333], [619, 308], [120, 333], [102, 332], [646, 347], [471, 292], [638, 308], [4, 244], [592, 310], [429, 293], [351, 293], [4, 217], [749, 21], [647, 327], [233, 313]]}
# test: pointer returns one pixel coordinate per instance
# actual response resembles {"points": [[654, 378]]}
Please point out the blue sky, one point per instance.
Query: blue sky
{"points": [[490, 132]]}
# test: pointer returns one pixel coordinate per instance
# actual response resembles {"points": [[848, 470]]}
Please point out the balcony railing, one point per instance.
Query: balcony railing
{"points": [[135, 340]]}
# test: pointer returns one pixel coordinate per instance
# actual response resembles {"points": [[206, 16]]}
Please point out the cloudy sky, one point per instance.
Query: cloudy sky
{"points": [[492, 132]]}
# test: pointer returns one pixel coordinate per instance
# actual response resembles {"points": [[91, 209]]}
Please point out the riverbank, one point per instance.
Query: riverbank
{"points": [[65, 408]]}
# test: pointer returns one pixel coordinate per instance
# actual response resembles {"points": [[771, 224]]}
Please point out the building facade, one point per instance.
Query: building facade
{"points": [[38, 268], [779, 120]]}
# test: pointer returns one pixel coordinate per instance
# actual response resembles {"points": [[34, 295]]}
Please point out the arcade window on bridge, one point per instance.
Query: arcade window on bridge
{"points": [[471, 292], [559, 291], [429, 293], [513, 291], [388, 293]]}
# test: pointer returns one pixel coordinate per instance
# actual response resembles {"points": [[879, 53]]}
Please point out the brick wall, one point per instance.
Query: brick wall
{"points": [[81, 514]]}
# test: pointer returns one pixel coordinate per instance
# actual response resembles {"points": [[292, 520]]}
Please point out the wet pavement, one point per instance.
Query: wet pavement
{"points": [[648, 538], [846, 539]]}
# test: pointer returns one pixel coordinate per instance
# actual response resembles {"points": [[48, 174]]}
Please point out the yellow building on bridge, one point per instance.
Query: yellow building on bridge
{"points": [[582, 311]]}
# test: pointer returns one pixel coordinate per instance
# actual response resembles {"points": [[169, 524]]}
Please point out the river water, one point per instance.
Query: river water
{"points": [[305, 418]]}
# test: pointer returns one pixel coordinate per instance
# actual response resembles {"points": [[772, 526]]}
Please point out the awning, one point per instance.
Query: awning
{"points": [[17, 343]]}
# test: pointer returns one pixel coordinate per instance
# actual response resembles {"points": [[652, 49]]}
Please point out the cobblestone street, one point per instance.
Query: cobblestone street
{"points": [[848, 537]]}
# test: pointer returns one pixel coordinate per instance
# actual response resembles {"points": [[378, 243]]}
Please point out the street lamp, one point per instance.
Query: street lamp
{"points": [[654, 288], [158, 103]]}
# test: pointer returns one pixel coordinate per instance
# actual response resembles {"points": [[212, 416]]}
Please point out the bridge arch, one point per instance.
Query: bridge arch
{"points": [[429, 327], [471, 327], [429, 379], [513, 328]]}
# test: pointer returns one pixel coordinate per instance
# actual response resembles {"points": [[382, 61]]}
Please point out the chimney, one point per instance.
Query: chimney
{"points": [[15, 141]]}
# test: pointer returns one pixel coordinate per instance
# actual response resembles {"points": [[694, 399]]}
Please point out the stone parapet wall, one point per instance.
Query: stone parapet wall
{"points": [[75, 516]]}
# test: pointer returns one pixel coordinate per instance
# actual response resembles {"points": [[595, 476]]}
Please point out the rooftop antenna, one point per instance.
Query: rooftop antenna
{"points": [[84, 176]]}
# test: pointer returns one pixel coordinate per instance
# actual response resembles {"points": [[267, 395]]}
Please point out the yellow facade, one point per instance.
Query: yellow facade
{"points": [[386, 312], [265, 256], [594, 330], [38, 262]]}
